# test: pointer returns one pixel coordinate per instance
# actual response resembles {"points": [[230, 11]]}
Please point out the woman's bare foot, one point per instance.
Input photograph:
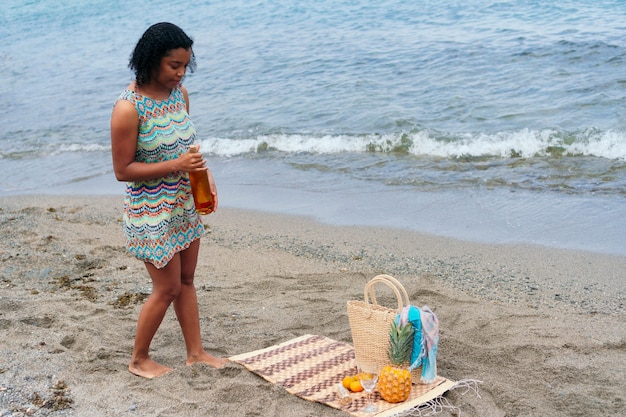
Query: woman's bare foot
{"points": [[148, 368], [208, 359]]}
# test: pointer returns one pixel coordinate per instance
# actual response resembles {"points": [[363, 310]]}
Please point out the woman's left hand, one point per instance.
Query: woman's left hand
{"points": [[213, 188]]}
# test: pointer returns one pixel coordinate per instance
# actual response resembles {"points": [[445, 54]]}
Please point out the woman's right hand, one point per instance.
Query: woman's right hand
{"points": [[191, 161]]}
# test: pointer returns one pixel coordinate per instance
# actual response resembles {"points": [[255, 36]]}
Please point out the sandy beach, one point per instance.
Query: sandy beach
{"points": [[544, 330]]}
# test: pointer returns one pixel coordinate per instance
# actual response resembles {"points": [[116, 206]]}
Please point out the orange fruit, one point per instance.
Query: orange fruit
{"points": [[347, 381], [364, 376], [355, 386]]}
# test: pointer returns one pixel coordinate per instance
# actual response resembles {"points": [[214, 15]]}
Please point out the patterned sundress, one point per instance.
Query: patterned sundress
{"points": [[160, 219]]}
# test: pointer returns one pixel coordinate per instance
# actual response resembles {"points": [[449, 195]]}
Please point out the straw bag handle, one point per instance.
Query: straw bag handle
{"points": [[391, 282]]}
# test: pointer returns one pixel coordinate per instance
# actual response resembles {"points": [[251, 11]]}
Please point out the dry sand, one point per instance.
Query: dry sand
{"points": [[543, 329]]}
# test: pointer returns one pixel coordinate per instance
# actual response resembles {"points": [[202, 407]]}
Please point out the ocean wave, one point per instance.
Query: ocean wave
{"points": [[84, 147], [525, 143], [38, 151]]}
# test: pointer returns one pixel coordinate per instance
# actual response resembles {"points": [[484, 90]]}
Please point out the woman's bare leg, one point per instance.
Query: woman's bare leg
{"points": [[186, 307], [165, 288]]}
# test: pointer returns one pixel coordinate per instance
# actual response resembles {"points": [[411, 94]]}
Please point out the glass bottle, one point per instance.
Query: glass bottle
{"points": [[201, 189]]}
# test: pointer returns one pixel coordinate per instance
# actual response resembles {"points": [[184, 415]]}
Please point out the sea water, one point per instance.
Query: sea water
{"points": [[495, 121]]}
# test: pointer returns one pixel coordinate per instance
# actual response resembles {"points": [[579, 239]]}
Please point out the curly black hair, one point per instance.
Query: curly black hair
{"points": [[155, 43]]}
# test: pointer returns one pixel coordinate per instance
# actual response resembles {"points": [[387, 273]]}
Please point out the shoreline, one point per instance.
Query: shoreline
{"points": [[541, 328], [581, 223]]}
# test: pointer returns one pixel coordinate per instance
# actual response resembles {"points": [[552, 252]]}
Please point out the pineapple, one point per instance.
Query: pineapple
{"points": [[394, 383]]}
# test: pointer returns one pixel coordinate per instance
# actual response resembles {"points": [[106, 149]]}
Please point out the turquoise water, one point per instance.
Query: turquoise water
{"points": [[498, 121]]}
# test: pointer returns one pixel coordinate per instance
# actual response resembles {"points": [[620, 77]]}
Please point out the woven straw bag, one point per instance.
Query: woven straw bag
{"points": [[370, 324]]}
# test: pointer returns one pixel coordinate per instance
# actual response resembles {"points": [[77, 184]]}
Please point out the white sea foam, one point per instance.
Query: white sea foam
{"points": [[524, 143], [84, 147]]}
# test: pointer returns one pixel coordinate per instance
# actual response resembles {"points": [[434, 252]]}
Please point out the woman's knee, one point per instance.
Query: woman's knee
{"points": [[167, 292], [186, 278]]}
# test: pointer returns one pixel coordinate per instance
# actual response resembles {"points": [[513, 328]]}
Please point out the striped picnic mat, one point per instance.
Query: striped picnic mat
{"points": [[312, 367]]}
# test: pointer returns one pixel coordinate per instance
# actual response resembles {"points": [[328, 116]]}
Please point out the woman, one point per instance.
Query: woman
{"points": [[150, 137]]}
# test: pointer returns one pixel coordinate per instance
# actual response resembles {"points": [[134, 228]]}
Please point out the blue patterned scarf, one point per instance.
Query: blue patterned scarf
{"points": [[425, 340]]}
